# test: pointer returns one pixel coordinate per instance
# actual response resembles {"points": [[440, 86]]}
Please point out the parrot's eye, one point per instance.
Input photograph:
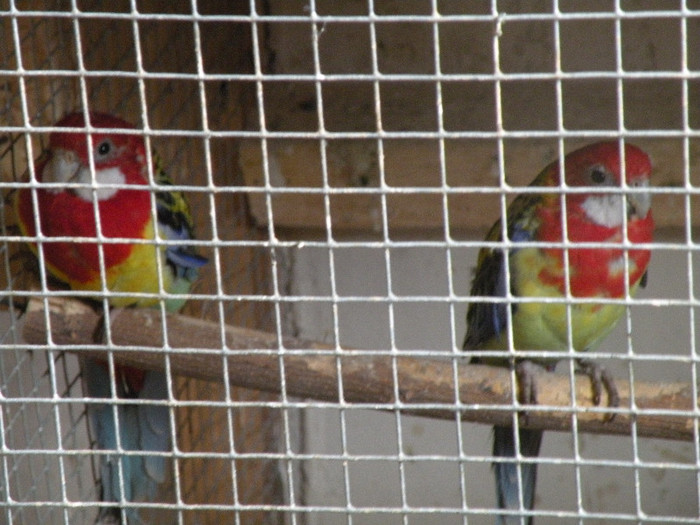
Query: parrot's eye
{"points": [[599, 175], [103, 149]]}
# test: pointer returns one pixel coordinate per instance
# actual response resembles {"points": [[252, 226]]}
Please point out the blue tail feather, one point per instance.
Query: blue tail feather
{"points": [[508, 490], [154, 428], [141, 427]]}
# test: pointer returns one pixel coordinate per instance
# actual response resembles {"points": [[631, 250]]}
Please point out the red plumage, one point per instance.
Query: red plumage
{"points": [[65, 213], [589, 277]]}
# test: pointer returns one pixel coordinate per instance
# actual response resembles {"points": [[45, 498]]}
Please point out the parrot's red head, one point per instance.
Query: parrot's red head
{"points": [[604, 211], [599, 166], [118, 158]]}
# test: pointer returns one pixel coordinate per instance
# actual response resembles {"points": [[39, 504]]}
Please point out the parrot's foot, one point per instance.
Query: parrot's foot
{"points": [[600, 378], [526, 373]]}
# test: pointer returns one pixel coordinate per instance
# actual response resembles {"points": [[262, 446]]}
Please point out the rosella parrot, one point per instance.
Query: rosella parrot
{"points": [[592, 216], [66, 205]]}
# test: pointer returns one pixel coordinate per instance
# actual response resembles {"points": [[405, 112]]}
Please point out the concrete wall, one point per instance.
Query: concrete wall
{"points": [[435, 482]]}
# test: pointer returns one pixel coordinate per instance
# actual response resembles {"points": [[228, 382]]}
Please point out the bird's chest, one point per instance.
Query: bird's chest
{"points": [[128, 266], [543, 319]]}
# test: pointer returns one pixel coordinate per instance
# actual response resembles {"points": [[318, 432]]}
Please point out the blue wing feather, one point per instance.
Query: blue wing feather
{"points": [[175, 224], [485, 321]]}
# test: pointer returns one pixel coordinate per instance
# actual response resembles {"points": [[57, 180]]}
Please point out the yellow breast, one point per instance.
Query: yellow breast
{"points": [[541, 325], [138, 273]]}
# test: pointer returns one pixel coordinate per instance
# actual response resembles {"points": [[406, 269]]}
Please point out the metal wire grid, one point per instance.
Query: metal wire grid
{"points": [[28, 450], [47, 38]]}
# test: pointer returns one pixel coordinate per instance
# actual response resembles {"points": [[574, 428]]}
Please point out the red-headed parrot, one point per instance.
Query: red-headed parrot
{"points": [[72, 198], [597, 209]]}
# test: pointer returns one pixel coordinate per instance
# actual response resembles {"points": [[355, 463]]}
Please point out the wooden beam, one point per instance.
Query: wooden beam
{"points": [[426, 387], [415, 165]]}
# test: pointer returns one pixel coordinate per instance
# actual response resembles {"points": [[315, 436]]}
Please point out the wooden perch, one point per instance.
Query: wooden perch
{"points": [[253, 362]]}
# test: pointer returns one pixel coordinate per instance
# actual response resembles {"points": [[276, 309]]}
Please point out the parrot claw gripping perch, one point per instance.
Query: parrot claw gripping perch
{"points": [[525, 372], [600, 378]]}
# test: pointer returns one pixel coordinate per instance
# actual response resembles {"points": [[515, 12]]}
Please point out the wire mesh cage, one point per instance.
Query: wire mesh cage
{"points": [[343, 162]]}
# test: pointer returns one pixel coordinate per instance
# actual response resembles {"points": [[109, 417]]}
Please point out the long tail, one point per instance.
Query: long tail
{"points": [[141, 427], [508, 490]]}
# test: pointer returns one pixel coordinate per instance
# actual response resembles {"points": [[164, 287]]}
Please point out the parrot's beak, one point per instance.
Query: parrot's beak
{"points": [[65, 166], [638, 203], [62, 166]]}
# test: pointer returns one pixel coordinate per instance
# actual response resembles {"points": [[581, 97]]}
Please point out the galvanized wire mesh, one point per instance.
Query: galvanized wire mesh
{"points": [[343, 161]]}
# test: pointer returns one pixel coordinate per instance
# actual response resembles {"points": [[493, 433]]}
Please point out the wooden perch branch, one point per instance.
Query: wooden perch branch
{"points": [[196, 352]]}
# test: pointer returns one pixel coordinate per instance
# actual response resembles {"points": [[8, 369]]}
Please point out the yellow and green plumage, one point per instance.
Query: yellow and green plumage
{"points": [[538, 271]]}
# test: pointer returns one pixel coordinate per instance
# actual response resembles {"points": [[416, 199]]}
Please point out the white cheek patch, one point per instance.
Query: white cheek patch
{"points": [[104, 176], [605, 210]]}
